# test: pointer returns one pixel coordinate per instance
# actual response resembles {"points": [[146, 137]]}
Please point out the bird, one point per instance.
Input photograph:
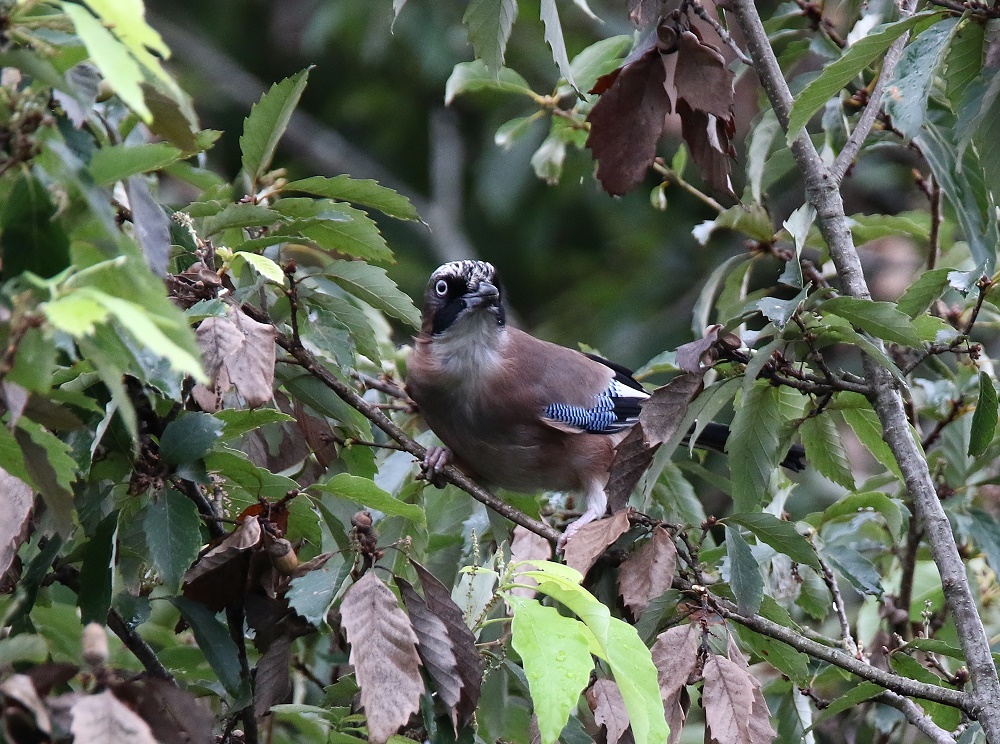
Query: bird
{"points": [[513, 410]]}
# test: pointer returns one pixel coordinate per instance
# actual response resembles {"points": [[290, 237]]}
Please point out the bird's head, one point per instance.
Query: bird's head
{"points": [[462, 295]]}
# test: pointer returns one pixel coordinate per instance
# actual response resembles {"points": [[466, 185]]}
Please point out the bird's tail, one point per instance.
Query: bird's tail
{"points": [[714, 437]]}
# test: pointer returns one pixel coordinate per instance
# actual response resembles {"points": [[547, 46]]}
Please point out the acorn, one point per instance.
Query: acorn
{"points": [[283, 556]]}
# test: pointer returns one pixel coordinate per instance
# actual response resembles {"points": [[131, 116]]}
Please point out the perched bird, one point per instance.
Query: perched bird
{"points": [[513, 410]]}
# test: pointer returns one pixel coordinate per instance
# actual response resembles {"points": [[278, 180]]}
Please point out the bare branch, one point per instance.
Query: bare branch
{"points": [[838, 605], [916, 716]]}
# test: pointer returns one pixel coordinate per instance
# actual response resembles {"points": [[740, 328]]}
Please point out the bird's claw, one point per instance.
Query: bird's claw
{"points": [[435, 461]]}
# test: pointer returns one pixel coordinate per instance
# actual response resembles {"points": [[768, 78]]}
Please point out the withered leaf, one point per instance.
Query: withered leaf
{"points": [[219, 577], [470, 663], [272, 682], [590, 541], [102, 718], [627, 121], [173, 714], [648, 572], [709, 139], [605, 700], [694, 356], [19, 687], [676, 709], [675, 655], [237, 351], [435, 649], [644, 12], [760, 716], [384, 656], [526, 545], [728, 698], [16, 499], [633, 456], [702, 78]]}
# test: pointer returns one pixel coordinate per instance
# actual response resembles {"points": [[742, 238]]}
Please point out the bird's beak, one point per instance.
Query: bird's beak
{"points": [[486, 295]]}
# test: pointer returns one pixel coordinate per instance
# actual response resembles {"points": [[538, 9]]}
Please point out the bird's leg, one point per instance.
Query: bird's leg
{"points": [[597, 505], [435, 461]]}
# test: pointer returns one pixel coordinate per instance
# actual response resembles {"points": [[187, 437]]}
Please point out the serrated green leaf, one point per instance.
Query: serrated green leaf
{"points": [[839, 73], [889, 508], [555, 654], [370, 284], [238, 215], [118, 67], [312, 392], [944, 716], [263, 266], [793, 664], [239, 421], [117, 162], [468, 77], [908, 91], [365, 492], [267, 122], [779, 534], [356, 322], [744, 573], [258, 482], [965, 60], [189, 437], [854, 567], [554, 38], [880, 319], [754, 446], [31, 239], [97, 572], [919, 295], [868, 227], [985, 533], [52, 470], [599, 59], [984, 419], [489, 23], [173, 535], [356, 236], [860, 693], [866, 426], [214, 641], [312, 594], [825, 450], [365, 192]]}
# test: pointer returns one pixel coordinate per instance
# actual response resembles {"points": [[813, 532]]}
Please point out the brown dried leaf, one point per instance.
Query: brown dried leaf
{"points": [[590, 541], [702, 78], [644, 12], [272, 682], [627, 122], [15, 398], [676, 709], [675, 655], [470, 663], [312, 564], [19, 687], [245, 536], [174, 715], [665, 409], [526, 545], [648, 572], [236, 351], [696, 356], [760, 716], [435, 649], [709, 140], [103, 718], [605, 700], [219, 577], [16, 499], [728, 699], [633, 456], [384, 656]]}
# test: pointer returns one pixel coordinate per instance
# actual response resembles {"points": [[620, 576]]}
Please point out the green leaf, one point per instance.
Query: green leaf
{"points": [[868, 227], [262, 265], [238, 215], [839, 73], [944, 716], [115, 163], [984, 419], [256, 481], [854, 567], [358, 235], [312, 392], [489, 23], [365, 492], [189, 437], [97, 572], [355, 321], [369, 283], [880, 319], [919, 295], [875, 501], [825, 450], [555, 654], [30, 238], [793, 664], [173, 535], [118, 67], [468, 77], [965, 60], [239, 421], [214, 641], [779, 534], [859, 415], [599, 59], [861, 692], [623, 649], [267, 122], [755, 445], [52, 469], [312, 594], [367, 193], [744, 573], [908, 91], [554, 38]]}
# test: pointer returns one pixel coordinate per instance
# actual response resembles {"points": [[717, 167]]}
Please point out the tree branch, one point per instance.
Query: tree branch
{"points": [[139, 648], [822, 191], [916, 716]]}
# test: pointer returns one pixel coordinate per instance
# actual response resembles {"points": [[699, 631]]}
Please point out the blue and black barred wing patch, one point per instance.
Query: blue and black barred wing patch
{"points": [[615, 409]]}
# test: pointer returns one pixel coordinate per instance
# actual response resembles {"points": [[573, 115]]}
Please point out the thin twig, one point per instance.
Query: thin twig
{"points": [[235, 618], [703, 14], [382, 385], [864, 126], [916, 716], [139, 648], [205, 508], [908, 570], [838, 605]]}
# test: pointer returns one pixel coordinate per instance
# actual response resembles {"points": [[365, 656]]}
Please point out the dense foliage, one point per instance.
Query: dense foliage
{"points": [[214, 521]]}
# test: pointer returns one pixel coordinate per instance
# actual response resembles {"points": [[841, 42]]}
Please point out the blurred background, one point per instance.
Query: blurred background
{"points": [[578, 265]]}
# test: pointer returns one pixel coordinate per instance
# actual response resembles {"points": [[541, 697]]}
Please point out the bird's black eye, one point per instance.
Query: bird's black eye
{"points": [[441, 287]]}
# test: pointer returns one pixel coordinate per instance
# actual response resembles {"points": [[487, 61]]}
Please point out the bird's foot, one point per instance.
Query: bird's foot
{"points": [[435, 461]]}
